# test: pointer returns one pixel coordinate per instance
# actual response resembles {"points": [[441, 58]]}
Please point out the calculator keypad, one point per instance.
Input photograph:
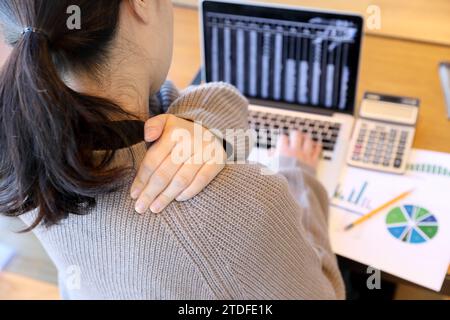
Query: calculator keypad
{"points": [[381, 146]]}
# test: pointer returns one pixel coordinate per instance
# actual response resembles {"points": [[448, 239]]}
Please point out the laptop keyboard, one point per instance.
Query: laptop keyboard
{"points": [[268, 126]]}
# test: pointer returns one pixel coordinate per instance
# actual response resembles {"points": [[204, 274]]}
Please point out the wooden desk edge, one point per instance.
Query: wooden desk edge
{"points": [[12, 288]]}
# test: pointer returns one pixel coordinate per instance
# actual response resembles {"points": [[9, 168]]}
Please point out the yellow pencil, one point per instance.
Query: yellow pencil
{"points": [[377, 210]]}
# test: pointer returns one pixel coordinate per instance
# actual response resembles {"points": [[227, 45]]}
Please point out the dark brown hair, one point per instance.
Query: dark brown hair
{"points": [[47, 130]]}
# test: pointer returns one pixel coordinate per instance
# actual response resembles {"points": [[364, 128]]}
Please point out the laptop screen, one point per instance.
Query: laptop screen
{"points": [[289, 55]]}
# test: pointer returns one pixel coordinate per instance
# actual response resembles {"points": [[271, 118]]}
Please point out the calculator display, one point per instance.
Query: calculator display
{"points": [[390, 109]]}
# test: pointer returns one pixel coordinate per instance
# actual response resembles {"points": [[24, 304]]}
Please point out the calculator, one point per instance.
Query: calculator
{"points": [[384, 133]]}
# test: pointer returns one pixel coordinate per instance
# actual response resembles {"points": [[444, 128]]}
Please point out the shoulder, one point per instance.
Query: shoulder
{"points": [[246, 226], [242, 201], [248, 185], [252, 178]]}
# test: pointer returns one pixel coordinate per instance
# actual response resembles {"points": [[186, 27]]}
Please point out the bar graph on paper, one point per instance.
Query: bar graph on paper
{"points": [[429, 164], [429, 168], [353, 198]]}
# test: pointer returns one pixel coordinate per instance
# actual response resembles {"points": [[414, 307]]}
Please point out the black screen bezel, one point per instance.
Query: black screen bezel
{"points": [[288, 14]]}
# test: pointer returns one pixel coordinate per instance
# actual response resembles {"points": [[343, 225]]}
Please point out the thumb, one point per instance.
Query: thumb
{"points": [[154, 128]]}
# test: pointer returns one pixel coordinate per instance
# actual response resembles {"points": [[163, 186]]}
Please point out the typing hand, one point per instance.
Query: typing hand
{"points": [[300, 147], [184, 159]]}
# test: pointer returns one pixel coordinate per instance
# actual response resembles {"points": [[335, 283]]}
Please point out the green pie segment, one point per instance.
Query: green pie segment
{"points": [[430, 231], [412, 224], [396, 216], [420, 213]]}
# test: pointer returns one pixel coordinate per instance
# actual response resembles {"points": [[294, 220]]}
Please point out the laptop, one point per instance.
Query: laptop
{"points": [[298, 68]]}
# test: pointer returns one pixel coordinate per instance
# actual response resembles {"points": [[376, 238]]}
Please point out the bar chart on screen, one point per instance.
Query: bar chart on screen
{"points": [[295, 62]]}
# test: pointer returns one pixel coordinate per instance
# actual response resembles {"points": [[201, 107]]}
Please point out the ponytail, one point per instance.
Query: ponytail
{"points": [[47, 134]]}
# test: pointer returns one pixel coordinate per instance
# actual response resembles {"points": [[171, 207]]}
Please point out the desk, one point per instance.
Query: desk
{"points": [[420, 20], [391, 66], [15, 287]]}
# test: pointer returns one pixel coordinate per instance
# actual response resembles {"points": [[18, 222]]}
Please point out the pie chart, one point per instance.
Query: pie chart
{"points": [[412, 224]]}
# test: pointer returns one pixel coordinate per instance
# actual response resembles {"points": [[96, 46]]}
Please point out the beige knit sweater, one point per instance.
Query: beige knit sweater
{"points": [[247, 236]]}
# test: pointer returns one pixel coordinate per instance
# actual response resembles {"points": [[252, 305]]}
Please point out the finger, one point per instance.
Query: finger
{"points": [[308, 145], [296, 140], [182, 180], [318, 148], [207, 173], [283, 142], [157, 183], [154, 128], [152, 160]]}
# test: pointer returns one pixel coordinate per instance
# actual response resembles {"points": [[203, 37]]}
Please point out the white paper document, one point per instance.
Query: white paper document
{"points": [[411, 238]]}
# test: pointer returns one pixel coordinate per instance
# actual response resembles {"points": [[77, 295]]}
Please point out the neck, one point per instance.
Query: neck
{"points": [[125, 85]]}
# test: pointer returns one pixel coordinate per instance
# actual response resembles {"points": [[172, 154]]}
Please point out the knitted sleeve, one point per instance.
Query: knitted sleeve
{"points": [[310, 193]]}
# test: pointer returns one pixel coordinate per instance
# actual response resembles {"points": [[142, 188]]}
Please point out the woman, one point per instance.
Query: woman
{"points": [[65, 154]]}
